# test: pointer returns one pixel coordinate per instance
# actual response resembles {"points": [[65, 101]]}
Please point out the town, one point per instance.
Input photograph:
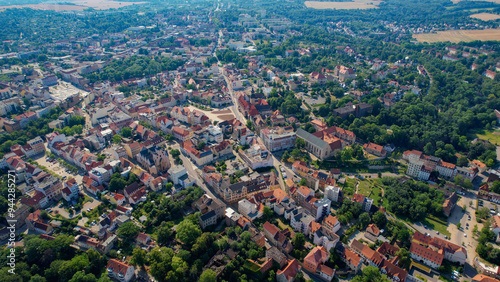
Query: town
{"points": [[219, 144]]}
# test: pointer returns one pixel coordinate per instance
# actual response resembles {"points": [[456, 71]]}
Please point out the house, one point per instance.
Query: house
{"points": [[450, 251], [143, 239], [277, 237], [393, 272], [119, 270], [365, 201], [375, 149], [212, 210], [449, 204], [351, 259], [333, 193], [483, 278], [314, 262], [372, 232], [289, 272], [277, 256], [331, 225], [426, 255], [154, 159], [495, 225]]}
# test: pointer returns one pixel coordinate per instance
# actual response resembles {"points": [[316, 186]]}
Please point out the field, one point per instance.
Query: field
{"points": [[492, 1], [79, 5], [356, 4], [456, 36], [492, 136], [437, 224], [486, 16]]}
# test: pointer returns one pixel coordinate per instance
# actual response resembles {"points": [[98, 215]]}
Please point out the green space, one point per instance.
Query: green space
{"points": [[489, 135], [436, 224], [251, 266]]}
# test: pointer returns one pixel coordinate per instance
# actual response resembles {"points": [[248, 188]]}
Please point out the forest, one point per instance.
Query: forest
{"points": [[134, 67], [413, 200]]}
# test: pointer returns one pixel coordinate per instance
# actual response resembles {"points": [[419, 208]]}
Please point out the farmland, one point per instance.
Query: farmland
{"points": [[75, 5], [356, 4], [485, 16], [492, 1], [459, 35]]}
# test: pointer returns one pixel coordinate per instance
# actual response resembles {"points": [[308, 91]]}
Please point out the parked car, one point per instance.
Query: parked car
{"points": [[284, 174]]}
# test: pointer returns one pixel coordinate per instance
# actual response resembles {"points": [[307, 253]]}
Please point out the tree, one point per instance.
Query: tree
{"points": [[467, 184], [208, 276], [303, 182], [404, 235], [299, 240], [175, 153], [371, 274], [126, 132], [163, 233], [462, 161], [459, 225], [379, 219], [364, 219], [458, 180], [483, 212], [300, 143], [404, 257], [267, 214], [128, 231], [286, 156], [187, 232], [117, 139], [138, 257]]}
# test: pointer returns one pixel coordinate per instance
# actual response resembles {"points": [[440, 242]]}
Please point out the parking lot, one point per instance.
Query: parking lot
{"points": [[58, 168]]}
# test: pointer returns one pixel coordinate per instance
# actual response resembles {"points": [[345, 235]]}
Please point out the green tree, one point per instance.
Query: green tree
{"points": [[459, 225], [483, 212], [117, 139], [371, 274], [126, 132], [138, 257], [187, 232], [300, 143], [364, 219], [286, 156], [379, 219], [163, 233], [128, 231], [462, 161], [208, 276], [299, 240], [303, 182]]}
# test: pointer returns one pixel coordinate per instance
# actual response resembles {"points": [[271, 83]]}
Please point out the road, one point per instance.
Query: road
{"points": [[191, 169]]}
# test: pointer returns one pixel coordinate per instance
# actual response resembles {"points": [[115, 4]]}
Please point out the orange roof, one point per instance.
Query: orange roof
{"points": [[358, 198], [484, 278], [317, 256], [304, 191], [271, 228], [117, 266], [421, 251], [290, 270]]}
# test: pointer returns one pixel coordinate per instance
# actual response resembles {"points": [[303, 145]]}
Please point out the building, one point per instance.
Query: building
{"points": [[324, 143], [427, 256], [154, 159], [365, 201], [256, 156], [212, 210], [279, 138], [375, 149], [351, 259], [289, 272], [119, 270], [314, 262], [333, 193]]}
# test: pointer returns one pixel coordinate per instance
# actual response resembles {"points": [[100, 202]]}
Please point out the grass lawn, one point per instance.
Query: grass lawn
{"points": [[284, 226], [436, 224], [489, 135], [376, 194], [251, 266], [365, 187], [350, 182]]}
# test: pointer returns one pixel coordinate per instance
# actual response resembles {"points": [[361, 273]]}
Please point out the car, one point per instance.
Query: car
{"points": [[425, 226], [282, 169], [446, 237], [284, 174], [61, 205], [467, 224], [465, 235], [466, 227], [469, 217], [437, 232]]}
